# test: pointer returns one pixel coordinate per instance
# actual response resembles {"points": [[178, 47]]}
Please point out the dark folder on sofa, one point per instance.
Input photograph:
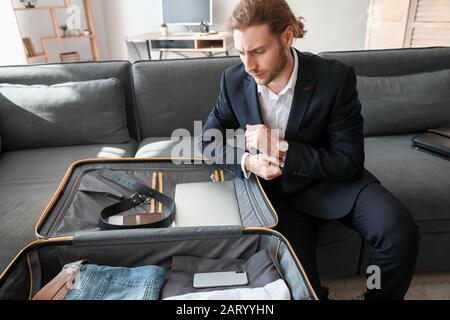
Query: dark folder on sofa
{"points": [[435, 140]]}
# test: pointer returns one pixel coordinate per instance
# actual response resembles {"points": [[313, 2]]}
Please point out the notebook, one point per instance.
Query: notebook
{"points": [[206, 204]]}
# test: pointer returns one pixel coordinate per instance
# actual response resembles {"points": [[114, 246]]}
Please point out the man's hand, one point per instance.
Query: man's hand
{"points": [[263, 166], [262, 138]]}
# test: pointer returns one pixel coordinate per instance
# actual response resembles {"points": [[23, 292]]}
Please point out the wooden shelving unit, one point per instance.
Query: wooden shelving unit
{"points": [[57, 33]]}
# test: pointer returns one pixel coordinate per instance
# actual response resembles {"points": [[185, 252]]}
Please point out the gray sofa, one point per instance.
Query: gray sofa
{"points": [[157, 97]]}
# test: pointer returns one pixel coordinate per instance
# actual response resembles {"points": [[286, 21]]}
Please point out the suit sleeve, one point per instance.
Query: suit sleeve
{"points": [[342, 157], [214, 144]]}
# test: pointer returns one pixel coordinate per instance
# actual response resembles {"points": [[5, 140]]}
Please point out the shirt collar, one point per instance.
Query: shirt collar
{"points": [[269, 94]]}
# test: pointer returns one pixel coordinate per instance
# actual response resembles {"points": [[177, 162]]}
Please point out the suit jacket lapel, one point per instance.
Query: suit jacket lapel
{"points": [[304, 89], [253, 109]]}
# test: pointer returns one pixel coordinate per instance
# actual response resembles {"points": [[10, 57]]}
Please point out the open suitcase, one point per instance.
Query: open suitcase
{"points": [[69, 230]]}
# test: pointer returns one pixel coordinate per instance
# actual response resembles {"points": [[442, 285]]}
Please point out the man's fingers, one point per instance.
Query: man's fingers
{"points": [[264, 160], [263, 166], [251, 144], [270, 172], [249, 126], [256, 127], [268, 159], [252, 135]]}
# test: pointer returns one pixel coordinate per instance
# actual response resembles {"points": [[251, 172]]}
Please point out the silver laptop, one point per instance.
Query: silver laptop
{"points": [[206, 204]]}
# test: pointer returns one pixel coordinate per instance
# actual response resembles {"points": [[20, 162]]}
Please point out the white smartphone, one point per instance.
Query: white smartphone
{"points": [[220, 279]]}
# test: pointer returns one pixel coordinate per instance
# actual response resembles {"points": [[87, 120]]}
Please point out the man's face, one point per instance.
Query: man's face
{"points": [[263, 53]]}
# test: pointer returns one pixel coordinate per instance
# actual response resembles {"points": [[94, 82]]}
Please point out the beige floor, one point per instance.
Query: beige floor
{"points": [[425, 286]]}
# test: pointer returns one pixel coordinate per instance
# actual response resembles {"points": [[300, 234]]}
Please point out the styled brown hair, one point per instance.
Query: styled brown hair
{"points": [[276, 13]]}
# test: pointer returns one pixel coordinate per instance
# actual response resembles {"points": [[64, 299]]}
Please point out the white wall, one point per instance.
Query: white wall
{"points": [[123, 18], [12, 52], [331, 24]]}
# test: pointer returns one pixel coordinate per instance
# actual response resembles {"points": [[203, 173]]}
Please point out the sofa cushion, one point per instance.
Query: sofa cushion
{"points": [[421, 181], [393, 62], [167, 148], [405, 104], [28, 180], [74, 113], [54, 73], [172, 94], [172, 147]]}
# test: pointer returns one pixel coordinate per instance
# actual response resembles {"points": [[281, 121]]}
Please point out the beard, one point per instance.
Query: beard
{"points": [[281, 64]]}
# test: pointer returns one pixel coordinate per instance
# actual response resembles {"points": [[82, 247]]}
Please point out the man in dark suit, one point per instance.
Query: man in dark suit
{"points": [[304, 138]]}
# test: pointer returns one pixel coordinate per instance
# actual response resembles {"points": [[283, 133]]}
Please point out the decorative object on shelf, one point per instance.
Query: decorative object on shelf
{"points": [[70, 57], [29, 3], [164, 30], [65, 31], [86, 32], [76, 33], [204, 27]]}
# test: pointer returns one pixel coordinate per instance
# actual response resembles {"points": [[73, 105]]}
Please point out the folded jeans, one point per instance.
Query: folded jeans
{"points": [[95, 282]]}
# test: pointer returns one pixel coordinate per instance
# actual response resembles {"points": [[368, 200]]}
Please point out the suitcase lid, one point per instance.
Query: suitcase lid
{"points": [[83, 193]]}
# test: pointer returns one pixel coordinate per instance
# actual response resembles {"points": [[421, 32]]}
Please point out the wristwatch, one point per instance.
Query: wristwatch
{"points": [[283, 147]]}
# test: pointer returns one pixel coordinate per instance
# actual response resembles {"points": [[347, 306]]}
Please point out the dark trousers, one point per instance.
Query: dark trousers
{"points": [[380, 219]]}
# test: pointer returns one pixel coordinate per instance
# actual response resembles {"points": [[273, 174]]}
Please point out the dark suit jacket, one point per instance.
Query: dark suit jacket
{"points": [[324, 170]]}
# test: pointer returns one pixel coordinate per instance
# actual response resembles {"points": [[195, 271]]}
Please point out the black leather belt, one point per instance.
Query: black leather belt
{"points": [[142, 195]]}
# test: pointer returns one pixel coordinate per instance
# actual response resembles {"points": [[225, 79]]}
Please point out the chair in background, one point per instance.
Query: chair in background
{"points": [[138, 50]]}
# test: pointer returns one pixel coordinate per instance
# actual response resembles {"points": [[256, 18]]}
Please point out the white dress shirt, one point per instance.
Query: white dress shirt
{"points": [[276, 108], [277, 290]]}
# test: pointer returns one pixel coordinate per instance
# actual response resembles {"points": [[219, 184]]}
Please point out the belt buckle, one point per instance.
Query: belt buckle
{"points": [[139, 199]]}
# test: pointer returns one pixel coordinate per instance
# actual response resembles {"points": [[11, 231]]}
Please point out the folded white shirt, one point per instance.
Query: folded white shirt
{"points": [[277, 290]]}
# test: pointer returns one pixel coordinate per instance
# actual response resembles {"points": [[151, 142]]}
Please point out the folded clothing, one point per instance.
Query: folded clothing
{"points": [[264, 281], [114, 283], [276, 290]]}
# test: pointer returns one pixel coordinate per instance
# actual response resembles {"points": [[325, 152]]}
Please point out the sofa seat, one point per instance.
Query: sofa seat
{"points": [[29, 179], [421, 181]]}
